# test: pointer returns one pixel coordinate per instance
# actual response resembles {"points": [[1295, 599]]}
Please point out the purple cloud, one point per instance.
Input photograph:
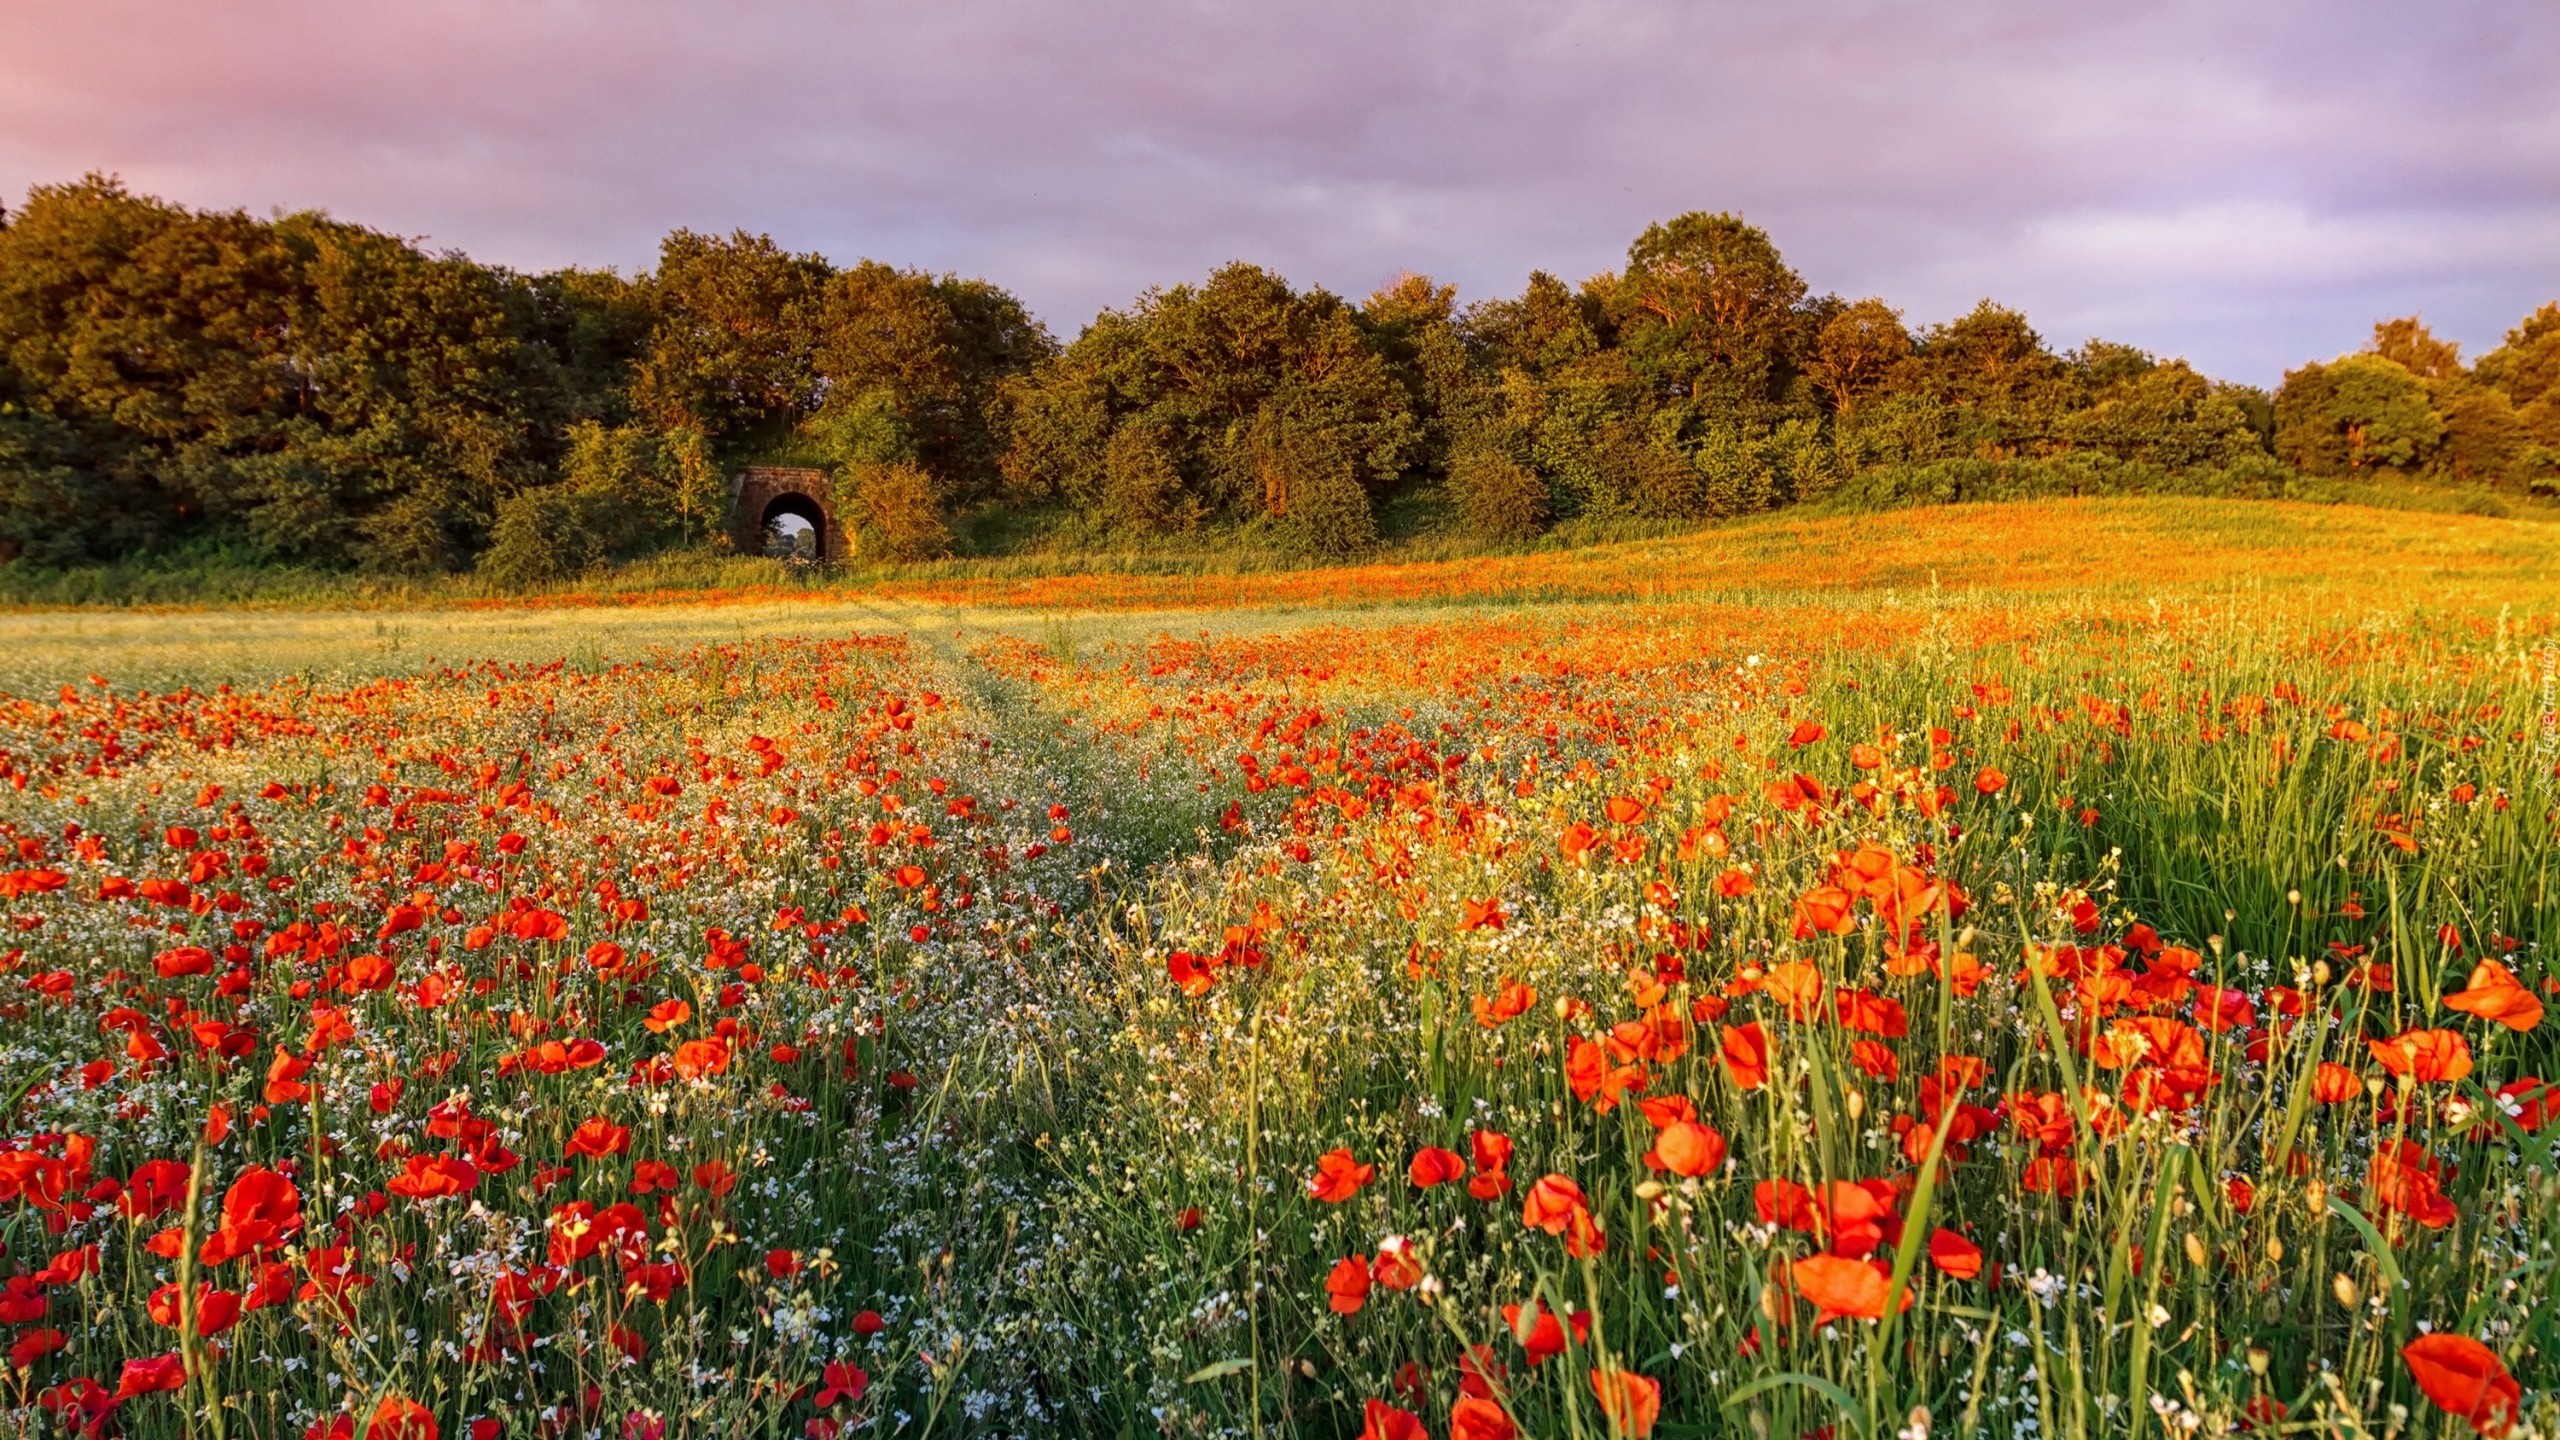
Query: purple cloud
{"points": [[2249, 186]]}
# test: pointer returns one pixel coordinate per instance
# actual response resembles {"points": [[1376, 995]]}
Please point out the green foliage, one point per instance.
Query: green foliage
{"points": [[1313, 491], [733, 349], [542, 537], [1159, 417], [623, 493], [1708, 306], [1496, 496], [1858, 352], [898, 516], [323, 396], [2160, 414], [2356, 414], [326, 393]]}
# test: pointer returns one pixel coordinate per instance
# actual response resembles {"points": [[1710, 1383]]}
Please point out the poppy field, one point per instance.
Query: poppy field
{"points": [[2100, 999]]}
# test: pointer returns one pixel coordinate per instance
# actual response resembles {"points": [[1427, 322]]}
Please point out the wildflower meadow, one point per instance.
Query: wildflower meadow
{"points": [[1607, 994]]}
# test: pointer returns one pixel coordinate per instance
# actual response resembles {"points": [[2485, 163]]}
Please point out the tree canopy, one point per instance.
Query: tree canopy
{"points": [[302, 389]]}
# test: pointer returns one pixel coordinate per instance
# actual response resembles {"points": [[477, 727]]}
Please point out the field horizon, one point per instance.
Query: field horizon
{"points": [[2049, 968]]}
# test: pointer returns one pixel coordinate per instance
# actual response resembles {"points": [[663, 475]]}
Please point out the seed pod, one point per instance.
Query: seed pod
{"points": [[2195, 1250], [1772, 1304], [2344, 1289], [2275, 1250]]}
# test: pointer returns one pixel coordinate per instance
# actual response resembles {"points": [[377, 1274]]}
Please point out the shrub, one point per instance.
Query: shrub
{"points": [[897, 514], [1328, 515], [541, 537], [1496, 497], [1142, 488]]}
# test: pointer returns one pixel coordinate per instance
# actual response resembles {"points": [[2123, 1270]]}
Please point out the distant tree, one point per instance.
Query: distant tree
{"points": [[307, 389], [898, 515], [2158, 414], [1495, 496], [1860, 350], [2102, 365], [1545, 330], [2408, 343], [733, 350], [623, 492], [1312, 492], [2526, 371], [1158, 417], [1413, 326], [1143, 487], [1707, 306], [1990, 360], [2355, 415]]}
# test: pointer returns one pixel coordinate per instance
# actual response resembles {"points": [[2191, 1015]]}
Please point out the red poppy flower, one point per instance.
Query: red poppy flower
{"points": [[1382, 1421], [1540, 1333], [1954, 1254], [1479, 1418], [1434, 1166], [1338, 1177], [1193, 975], [149, 1377], [1632, 1402], [1841, 1287], [1745, 1053], [1552, 1203], [1396, 1267], [1347, 1285], [2494, 994], [400, 1418], [842, 1380], [2424, 1055], [434, 1177], [1687, 1149], [2464, 1377], [597, 1138]]}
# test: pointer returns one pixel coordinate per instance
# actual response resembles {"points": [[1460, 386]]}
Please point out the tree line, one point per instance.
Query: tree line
{"points": [[303, 390]]}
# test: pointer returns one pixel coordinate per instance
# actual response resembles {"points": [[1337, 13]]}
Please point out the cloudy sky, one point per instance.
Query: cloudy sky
{"points": [[2248, 183]]}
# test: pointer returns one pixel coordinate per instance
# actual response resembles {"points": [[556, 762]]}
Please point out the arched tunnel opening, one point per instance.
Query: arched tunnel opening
{"points": [[794, 528]]}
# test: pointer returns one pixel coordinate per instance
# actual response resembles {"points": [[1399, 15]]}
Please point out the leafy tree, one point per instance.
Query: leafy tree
{"points": [[897, 513], [2526, 370], [2408, 343], [1159, 417], [1859, 351], [2158, 414], [1708, 309], [1413, 326], [1496, 497], [1991, 363], [541, 536], [1144, 490], [732, 352], [1322, 511], [321, 391], [2354, 415], [1545, 330], [934, 350]]}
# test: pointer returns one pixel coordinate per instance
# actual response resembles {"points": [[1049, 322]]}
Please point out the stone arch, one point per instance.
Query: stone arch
{"points": [[761, 494]]}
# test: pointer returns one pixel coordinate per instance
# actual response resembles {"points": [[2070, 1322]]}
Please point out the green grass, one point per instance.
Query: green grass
{"points": [[2173, 731]]}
